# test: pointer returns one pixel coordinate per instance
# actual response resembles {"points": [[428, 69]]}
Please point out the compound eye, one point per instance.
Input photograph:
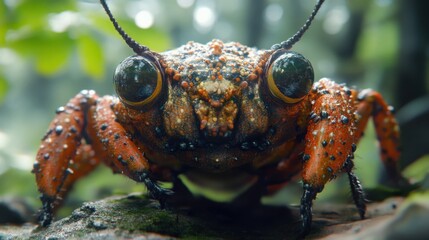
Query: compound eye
{"points": [[138, 81], [290, 77]]}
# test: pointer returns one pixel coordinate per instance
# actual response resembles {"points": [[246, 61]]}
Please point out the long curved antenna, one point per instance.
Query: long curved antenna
{"points": [[137, 48], [297, 36]]}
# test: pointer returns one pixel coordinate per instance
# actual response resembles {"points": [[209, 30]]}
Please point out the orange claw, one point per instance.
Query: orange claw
{"points": [[59, 147], [84, 132], [331, 134], [116, 142], [336, 124], [61, 154]]}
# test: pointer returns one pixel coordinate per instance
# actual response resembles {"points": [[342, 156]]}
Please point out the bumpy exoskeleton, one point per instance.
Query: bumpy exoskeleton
{"points": [[216, 111]]}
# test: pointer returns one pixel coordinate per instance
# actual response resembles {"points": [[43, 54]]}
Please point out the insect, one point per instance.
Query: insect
{"points": [[215, 110]]}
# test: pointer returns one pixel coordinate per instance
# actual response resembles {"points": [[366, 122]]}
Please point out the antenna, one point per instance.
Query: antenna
{"points": [[297, 36], [137, 48]]}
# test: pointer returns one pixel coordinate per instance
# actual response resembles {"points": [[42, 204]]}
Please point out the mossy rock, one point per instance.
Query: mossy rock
{"points": [[136, 217]]}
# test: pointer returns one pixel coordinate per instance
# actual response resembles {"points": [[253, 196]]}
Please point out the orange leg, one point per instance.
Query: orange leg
{"points": [[61, 158], [387, 130], [337, 122], [122, 153], [329, 141], [83, 133]]}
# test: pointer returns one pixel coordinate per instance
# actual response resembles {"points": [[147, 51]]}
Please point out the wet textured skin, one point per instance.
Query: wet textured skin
{"points": [[216, 114]]}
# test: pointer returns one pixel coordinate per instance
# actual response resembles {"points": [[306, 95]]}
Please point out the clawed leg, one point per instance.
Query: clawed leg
{"points": [[358, 194], [308, 196], [330, 140], [372, 104], [83, 133], [122, 154], [356, 188], [62, 158], [336, 124], [82, 164], [310, 193]]}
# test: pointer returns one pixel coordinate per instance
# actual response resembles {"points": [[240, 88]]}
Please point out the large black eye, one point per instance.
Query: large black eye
{"points": [[138, 81], [290, 77]]}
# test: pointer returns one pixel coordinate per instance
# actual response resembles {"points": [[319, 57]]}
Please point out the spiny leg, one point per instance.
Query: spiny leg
{"points": [[83, 163], [372, 104], [329, 141], [122, 153], [61, 159], [358, 194], [308, 196], [355, 186]]}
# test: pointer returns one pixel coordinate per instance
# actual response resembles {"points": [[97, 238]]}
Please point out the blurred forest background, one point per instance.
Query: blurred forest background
{"points": [[50, 50]]}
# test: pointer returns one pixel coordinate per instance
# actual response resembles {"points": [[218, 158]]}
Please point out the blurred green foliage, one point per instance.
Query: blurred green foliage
{"points": [[418, 170], [49, 32], [3, 87]]}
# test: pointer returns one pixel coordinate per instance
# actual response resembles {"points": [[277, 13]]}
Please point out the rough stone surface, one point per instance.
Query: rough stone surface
{"points": [[136, 217]]}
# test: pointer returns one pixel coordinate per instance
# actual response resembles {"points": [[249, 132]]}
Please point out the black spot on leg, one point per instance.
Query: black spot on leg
{"points": [[324, 91], [36, 167], [122, 160], [73, 129], [344, 119], [324, 143], [68, 171], [116, 136], [324, 114], [60, 110], [103, 126], [49, 132], [347, 91], [314, 116], [353, 147], [305, 157]]}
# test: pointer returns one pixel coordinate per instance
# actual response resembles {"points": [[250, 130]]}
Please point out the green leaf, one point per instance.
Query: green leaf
{"points": [[418, 169], [3, 21], [34, 14], [4, 86], [53, 57], [49, 50], [91, 56], [379, 43]]}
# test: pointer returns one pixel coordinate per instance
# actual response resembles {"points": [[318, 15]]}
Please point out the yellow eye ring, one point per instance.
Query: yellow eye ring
{"points": [[138, 81], [290, 77]]}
